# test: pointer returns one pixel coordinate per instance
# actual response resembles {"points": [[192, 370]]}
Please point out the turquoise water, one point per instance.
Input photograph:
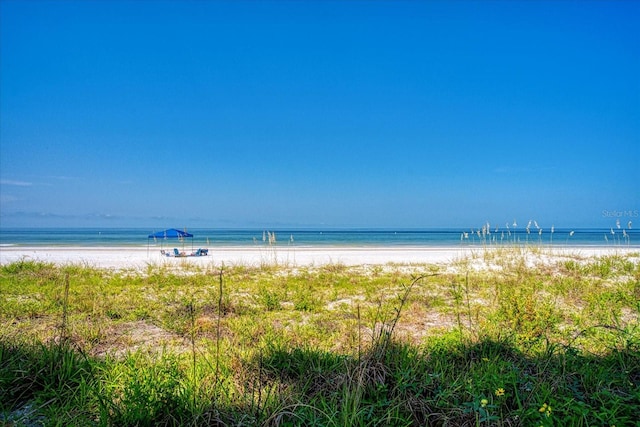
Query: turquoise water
{"points": [[343, 237]]}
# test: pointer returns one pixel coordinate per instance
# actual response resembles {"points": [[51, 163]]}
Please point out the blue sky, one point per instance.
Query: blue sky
{"points": [[319, 114]]}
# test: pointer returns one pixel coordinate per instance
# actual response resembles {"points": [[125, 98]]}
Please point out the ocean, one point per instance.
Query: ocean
{"points": [[203, 237]]}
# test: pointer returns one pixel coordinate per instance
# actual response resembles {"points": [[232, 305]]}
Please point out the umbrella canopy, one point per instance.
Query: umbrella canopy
{"points": [[170, 233]]}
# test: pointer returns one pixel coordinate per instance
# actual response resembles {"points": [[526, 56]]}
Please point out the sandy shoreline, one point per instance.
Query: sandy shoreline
{"points": [[137, 257]]}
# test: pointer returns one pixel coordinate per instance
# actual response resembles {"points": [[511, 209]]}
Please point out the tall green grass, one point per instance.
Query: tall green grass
{"points": [[335, 346]]}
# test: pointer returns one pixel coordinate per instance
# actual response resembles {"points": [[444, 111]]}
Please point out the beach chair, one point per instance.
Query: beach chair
{"points": [[201, 252]]}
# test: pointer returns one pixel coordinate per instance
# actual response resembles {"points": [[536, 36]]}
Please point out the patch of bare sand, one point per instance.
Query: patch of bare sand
{"points": [[140, 335]]}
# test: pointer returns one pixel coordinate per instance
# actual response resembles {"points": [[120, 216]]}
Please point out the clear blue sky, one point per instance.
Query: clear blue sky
{"points": [[319, 114]]}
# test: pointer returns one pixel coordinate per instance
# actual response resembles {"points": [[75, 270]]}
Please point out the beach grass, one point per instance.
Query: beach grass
{"points": [[515, 343]]}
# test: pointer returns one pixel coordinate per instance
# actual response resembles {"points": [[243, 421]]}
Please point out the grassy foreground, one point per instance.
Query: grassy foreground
{"points": [[516, 344]]}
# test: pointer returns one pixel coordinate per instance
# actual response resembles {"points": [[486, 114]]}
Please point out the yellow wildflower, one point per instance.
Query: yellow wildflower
{"points": [[484, 402], [500, 392], [545, 409]]}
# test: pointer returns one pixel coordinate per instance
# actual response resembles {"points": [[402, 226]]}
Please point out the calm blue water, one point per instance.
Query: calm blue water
{"points": [[344, 237]]}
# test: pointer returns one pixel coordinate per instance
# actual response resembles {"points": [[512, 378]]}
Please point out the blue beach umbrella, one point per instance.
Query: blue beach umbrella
{"points": [[171, 233]]}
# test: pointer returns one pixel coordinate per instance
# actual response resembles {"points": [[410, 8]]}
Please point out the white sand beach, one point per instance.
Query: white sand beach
{"points": [[142, 257]]}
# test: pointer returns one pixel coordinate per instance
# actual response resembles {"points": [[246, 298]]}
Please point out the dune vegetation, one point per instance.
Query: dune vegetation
{"points": [[494, 339]]}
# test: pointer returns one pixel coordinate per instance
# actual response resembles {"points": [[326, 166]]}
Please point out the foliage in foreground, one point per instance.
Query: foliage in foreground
{"points": [[255, 347]]}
